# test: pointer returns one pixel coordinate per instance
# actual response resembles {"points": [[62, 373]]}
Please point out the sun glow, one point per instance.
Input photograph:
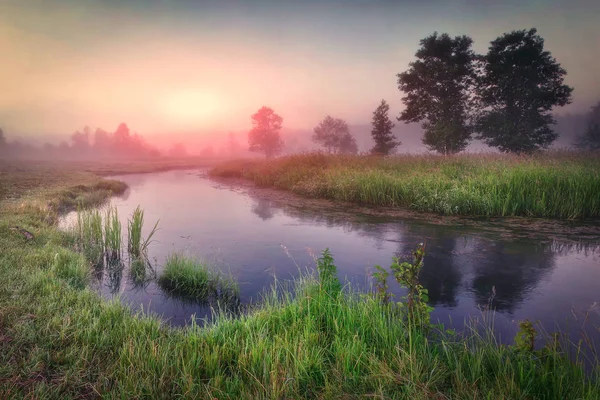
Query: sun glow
{"points": [[189, 106]]}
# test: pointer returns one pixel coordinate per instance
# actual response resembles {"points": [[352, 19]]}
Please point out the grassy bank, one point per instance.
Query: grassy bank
{"points": [[553, 185], [59, 340]]}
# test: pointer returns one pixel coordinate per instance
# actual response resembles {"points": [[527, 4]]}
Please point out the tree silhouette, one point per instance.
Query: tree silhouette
{"points": [[519, 86], [264, 136], [438, 88], [334, 135], [590, 140], [385, 142]]}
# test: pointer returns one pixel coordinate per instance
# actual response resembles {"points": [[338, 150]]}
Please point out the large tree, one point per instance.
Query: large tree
{"points": [[590, 140], [519, 85], [385, 141], [438, 91], [334, 135], [264, 136]]}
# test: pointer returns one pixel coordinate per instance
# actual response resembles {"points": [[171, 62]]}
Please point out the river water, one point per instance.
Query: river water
{"points": [[259, 234]]}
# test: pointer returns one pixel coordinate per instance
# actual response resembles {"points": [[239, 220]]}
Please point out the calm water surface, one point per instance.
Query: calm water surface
{"points": [[256, 237]]}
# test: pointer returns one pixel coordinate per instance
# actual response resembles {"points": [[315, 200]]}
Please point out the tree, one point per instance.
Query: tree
{"points": [[385, 142], [81, 140], [519, 86], [590, 140], [264, 136], [334, 135], [438, 90], [347, 144]]}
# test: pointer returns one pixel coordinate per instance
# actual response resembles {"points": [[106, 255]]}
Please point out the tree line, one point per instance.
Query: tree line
{"points": [[504, 98]]}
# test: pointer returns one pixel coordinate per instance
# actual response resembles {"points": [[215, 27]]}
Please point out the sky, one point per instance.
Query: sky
{"points": [[201, 66]]}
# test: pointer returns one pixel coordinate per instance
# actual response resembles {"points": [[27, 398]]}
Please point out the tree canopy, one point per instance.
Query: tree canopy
{"points": [[264, 136], [438, 89], [519, 85], [590, 140], [334, 134]]}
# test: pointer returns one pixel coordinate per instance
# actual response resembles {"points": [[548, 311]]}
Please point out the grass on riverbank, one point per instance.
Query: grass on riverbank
{"points": [[553, 184], [58, 339]]}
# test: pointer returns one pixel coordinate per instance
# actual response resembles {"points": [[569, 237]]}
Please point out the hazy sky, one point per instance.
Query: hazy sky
{"points": [[182, 65]]}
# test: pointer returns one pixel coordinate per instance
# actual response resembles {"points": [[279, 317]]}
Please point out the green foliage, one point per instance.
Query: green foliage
{"points": [[520, 84], [334, 135], [136, 244], [525, 338], [407, 275], [264, 136], [112, 234], [90, 238], [328, 274], [381, 286], [437, 89], [385, 141]]}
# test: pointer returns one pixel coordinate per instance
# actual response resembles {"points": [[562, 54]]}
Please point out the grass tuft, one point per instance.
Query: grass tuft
{"points": [[137, 245]]}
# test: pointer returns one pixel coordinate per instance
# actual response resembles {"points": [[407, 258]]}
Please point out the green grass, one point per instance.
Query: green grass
{"points": [[136, 244], [112, 234], [192, 280], [60, 340], [561, 185], [90, 235]]}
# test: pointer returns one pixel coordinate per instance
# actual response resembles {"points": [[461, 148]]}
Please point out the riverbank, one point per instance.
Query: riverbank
{"points": [[561, 185], [58, 339]]}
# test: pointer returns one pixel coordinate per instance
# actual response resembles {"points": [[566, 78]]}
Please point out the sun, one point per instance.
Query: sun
{"points": [[190, 106]]}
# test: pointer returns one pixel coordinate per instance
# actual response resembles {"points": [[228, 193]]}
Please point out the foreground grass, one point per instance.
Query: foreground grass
{"points": [[59, 340], [553, 185]]}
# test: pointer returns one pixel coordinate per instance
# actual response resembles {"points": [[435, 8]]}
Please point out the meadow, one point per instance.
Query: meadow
{"points": [[59, 339], [557, 184]]}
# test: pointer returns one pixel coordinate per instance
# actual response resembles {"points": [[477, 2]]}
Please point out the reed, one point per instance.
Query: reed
{"points": [[136, 244], [556, 184], [112, 234], [90, 235]]}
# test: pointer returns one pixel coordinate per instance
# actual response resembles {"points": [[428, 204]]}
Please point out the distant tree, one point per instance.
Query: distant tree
{"points": [[178, 150], [207, 151], [334, 135], [63, 147], [519, 86], [438, 91], [102, 140], [232, 145], [381, 132], [590, 140], [81, 140], [264, 136], [347, 145]]}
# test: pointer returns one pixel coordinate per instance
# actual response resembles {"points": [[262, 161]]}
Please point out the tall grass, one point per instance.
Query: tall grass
{"points": [[90, 235], [190, 279], [136, 244], [112, 234], [552, 185]]}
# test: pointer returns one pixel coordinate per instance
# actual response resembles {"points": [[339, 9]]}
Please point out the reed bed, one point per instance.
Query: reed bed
{"points": [[558, 184], [112, 234]]}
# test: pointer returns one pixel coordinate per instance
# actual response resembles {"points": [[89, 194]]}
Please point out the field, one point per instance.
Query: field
{"points": [[561, 184], [59, 339]]}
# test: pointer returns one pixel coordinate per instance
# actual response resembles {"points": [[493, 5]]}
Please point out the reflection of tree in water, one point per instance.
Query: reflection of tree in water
{"points": [[513, 268], [263, 208]]}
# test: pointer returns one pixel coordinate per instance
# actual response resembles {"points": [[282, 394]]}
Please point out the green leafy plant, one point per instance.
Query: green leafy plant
{"points": [[407, 275], [328, 273], [381, 285], [525, 338]]}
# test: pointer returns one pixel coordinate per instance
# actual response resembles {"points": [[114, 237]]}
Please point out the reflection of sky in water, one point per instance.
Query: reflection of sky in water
{"points": [[255, 237]]}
